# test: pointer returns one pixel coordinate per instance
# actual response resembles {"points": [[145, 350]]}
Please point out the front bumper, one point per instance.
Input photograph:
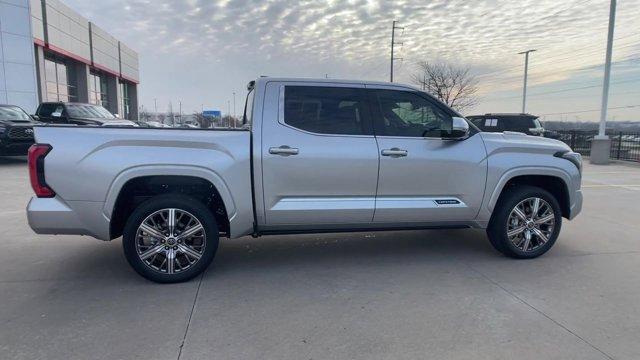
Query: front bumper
{"points": [[576, 205], [14, 148], [16, 140], [55, 216]]}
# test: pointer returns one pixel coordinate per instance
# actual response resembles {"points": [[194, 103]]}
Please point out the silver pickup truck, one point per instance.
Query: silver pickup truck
{"points": [[314, 156]]}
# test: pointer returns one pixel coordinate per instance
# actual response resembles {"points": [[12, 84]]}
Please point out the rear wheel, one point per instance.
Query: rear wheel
{"points": [[526, 222], [170, 238]]}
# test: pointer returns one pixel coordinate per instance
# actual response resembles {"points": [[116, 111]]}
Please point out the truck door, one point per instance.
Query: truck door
{"points": [[424, 177], [319, 156]]}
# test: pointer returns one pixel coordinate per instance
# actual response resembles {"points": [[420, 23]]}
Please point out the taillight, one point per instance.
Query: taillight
{"points": [[37, 152]]}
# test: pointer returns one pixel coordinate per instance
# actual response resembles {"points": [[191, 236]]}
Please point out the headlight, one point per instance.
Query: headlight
{"points": [[2, 129], [574, 157]]}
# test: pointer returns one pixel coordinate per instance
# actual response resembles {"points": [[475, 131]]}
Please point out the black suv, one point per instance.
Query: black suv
{"points": [[68, 113], [16, 130], [525, 123]]}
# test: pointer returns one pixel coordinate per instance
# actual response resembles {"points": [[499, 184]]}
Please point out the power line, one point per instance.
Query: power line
{"points": [[513, 78], [563, 90], [592, 50], [584, 111]]}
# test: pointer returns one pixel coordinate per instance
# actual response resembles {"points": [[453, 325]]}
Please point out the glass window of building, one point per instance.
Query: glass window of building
{"points": [[98, 90], [124, 105], [57, 84]]}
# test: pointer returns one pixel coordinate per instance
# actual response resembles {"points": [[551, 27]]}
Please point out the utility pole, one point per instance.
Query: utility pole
{"points": [[526, 68], [601, 144], [180, 111], [393, 42], [155, 108]]}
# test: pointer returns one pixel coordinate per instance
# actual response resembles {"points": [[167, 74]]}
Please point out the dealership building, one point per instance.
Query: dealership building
{"points": [[49, 52]]}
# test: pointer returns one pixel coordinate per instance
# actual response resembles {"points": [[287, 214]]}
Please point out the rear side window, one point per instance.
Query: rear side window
{"points": [[326, 110]]}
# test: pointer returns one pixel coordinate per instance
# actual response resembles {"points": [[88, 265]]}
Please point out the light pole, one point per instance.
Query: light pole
{"points": [[601, 144], [234, 108], [526, 69], [228, 113]]}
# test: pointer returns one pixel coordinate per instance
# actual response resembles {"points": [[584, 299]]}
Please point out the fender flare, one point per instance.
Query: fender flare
{"points": [[524, 171], [167, 170]]}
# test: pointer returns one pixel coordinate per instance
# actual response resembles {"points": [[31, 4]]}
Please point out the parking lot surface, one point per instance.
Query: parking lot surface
{"points": [[388, 295]]}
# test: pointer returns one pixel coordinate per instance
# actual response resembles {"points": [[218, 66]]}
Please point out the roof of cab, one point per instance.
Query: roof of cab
{"points": [[336, 81]]}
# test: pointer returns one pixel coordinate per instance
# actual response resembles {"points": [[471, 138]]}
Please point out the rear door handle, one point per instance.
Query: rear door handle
{"points": [[283, 150], [394, 152]]}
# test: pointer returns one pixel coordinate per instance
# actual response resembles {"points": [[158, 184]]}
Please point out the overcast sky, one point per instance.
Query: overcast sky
{"points": [[201, 51]]}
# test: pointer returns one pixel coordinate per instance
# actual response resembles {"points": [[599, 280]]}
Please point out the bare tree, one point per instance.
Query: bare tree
{"points": [[453, 85], [205, 122]]}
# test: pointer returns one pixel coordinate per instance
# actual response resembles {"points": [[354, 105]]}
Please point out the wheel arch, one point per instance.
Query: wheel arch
{"points": [[553, 180], [143, 182]]}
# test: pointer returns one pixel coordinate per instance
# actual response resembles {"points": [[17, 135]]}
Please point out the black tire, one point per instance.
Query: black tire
{"points": [[183, 203], [497, 229]]}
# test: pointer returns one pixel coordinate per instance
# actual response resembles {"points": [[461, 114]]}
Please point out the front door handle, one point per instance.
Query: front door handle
{"points": [[394, 152], [283, 150]]}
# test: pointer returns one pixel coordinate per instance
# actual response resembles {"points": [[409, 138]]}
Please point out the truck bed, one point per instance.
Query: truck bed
{"points": [[87, 166]]}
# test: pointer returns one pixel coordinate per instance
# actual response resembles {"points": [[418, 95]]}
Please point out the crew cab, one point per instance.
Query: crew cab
{"points": [[314, 156], [70, 113], [16, 130]]}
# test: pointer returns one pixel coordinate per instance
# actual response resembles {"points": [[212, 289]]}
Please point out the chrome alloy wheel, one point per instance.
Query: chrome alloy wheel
{"points": [[530, 224], [170, 241]]}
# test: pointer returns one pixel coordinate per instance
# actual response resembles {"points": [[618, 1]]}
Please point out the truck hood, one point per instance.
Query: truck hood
{"points": [[519, 142], [17, 122]]}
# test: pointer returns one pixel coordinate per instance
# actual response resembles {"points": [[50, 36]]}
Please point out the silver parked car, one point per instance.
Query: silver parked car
{"points": [[314, 156]]}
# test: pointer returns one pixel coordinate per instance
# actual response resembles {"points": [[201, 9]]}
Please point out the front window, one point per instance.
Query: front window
{"points": [[89, 111], [408, 114], [13, 113]]}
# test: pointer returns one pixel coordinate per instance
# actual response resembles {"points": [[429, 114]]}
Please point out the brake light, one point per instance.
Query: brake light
{"points": [[37, 152]]}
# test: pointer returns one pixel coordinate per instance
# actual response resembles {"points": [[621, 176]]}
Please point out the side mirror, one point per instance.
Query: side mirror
{"points": [[459, 129], [35, 117]]}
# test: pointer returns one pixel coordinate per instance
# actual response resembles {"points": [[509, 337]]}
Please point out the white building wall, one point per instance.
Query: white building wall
{"points": [[37, 22], [104, 49], [129, 66], [67, 30], [17, 73]]}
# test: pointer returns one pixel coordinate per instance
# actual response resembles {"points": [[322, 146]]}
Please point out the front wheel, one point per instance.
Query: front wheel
{"points": [[526, 222], [170, 238]]}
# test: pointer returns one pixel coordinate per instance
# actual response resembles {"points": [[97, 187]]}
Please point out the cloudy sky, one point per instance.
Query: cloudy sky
{"points": [[201, 51]]}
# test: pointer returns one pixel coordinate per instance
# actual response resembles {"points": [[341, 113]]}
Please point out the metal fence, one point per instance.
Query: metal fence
{"points": [[624, 145]]}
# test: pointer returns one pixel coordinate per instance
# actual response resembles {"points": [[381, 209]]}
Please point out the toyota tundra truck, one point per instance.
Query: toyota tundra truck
{"points": [[313, 156]]}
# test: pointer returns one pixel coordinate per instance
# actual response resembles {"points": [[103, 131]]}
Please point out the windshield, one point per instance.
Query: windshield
{"points": [[89, 111], [13, 113]]}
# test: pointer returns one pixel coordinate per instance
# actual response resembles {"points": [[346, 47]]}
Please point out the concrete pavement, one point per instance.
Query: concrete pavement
{"points": [[396, 295]]}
